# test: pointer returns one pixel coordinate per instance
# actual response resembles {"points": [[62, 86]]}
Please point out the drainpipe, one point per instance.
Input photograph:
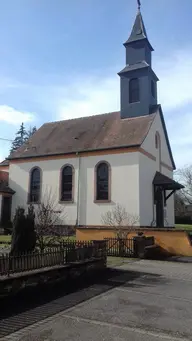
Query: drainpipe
{"points": [[78, 188], [153, 222]]}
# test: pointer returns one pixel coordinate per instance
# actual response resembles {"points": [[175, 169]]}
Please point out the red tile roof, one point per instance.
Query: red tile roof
{"points": [[97, 132], [4, 163]]}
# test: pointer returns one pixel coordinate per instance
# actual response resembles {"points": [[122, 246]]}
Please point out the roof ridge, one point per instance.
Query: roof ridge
{"points": [[82, 117], [138, 117]]}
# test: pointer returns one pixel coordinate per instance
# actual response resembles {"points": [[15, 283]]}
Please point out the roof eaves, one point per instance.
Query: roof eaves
{"points": [[75, 152], [134, 41], [166, 136], [154, 115]]}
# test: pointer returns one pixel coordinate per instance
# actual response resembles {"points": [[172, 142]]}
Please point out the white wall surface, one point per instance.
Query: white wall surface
{"points": [[131, 182], [124, 185], [149, 142], [147, 170]]}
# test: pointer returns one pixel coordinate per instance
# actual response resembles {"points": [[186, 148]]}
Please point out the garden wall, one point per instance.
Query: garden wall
{"points": [[70, 272], [175, 242]]}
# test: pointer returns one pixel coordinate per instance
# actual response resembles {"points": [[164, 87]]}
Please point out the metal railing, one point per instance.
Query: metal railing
{"points": [[120, 247]]}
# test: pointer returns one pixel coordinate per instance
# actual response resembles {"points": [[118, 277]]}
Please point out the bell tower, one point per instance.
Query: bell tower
{"points": [[138, 81]]}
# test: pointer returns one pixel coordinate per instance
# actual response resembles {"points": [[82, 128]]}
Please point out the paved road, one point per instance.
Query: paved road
{"points": [[143, 300]]}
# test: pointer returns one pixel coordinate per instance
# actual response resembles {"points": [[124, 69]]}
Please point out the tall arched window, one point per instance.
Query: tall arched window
{"points": [[158, 147], [102, 181], [67, 183], [134, 93], [35, 185]]}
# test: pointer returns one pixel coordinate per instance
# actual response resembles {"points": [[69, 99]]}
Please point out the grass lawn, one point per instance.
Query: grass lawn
{"points": [[116, 261], [185, 227], [6, 239]]}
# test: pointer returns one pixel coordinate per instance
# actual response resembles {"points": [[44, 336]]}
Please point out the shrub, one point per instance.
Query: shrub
{"points": [[23, 236]]}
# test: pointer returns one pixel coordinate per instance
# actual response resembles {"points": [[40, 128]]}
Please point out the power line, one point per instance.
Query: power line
{"points": [[1, 138]]}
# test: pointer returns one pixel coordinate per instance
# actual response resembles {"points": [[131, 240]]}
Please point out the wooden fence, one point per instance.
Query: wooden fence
{"points": [[65, 253]]}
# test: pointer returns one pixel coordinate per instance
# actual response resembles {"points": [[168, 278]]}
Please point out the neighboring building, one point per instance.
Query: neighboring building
{"points": [[4, 165], [93, 163]]}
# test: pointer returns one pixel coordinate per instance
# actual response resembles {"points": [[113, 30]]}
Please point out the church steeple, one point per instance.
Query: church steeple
{"points": [[138, 31], [138, 81]]}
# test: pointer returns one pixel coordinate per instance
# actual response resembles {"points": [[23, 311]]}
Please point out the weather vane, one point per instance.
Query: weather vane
{"points": [[139, 4]]}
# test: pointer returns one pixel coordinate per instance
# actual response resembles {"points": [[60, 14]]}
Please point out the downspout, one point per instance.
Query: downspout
{"points": [[78, 188], [153, 222]]}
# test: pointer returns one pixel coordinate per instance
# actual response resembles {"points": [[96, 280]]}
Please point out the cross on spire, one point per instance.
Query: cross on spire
{"points": [[139, 4]]}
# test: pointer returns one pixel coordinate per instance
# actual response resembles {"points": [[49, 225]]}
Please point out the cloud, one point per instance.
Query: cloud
{"points": [[96, 96], [175, 72], [13, 116], [99, 95], [90, 94]]}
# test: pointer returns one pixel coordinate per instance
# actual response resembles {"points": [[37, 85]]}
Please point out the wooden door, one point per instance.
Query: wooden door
{"points": [[6, 210]]}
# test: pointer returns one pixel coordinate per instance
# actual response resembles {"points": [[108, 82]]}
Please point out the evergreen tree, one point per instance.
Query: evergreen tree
{"points": [[21, 137], [31, 131]]}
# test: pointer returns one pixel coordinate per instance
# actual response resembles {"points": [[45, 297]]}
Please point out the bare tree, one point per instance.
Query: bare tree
{"points": [[121, 221], [47, 218], [180, 206], [184, 175]]}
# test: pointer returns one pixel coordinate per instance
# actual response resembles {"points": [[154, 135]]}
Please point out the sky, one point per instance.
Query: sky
{"points": [[59, 59]]}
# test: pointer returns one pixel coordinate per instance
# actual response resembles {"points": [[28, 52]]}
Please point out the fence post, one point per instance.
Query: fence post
{"points": [[139, 246], [101, 245]]}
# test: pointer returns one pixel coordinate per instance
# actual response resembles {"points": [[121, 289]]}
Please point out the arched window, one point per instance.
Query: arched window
{"points": [[102, 181], [67, 183], [158, 147], [35, 185], [134, 95], [157, 140]]}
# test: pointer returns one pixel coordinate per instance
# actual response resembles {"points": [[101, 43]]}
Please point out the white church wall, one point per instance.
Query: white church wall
{"points": [[147, 172], [19, 181], [149, 142], [124, 185]]}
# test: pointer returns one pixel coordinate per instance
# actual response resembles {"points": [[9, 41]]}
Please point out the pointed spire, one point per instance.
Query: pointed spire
{"points": [[138, 31]]}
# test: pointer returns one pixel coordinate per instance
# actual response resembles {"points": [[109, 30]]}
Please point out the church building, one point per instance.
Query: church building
{"points": [[90, 164]]}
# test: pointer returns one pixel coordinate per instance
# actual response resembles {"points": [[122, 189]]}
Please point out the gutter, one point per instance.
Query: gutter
{"points": [[74, 152], [78, 189]]}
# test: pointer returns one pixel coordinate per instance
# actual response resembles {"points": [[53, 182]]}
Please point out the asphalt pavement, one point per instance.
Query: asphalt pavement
{"points": [[140, 300]]}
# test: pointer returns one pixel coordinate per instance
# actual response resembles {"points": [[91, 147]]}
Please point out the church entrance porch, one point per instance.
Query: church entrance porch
{"points": [[164, 188]]}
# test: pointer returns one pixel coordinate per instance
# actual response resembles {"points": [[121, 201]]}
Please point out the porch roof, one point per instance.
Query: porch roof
{"points": [[166, 182], [4, 188]]}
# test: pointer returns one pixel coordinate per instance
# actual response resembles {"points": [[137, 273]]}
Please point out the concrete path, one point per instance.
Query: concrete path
{"points": [[143, 300]]}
